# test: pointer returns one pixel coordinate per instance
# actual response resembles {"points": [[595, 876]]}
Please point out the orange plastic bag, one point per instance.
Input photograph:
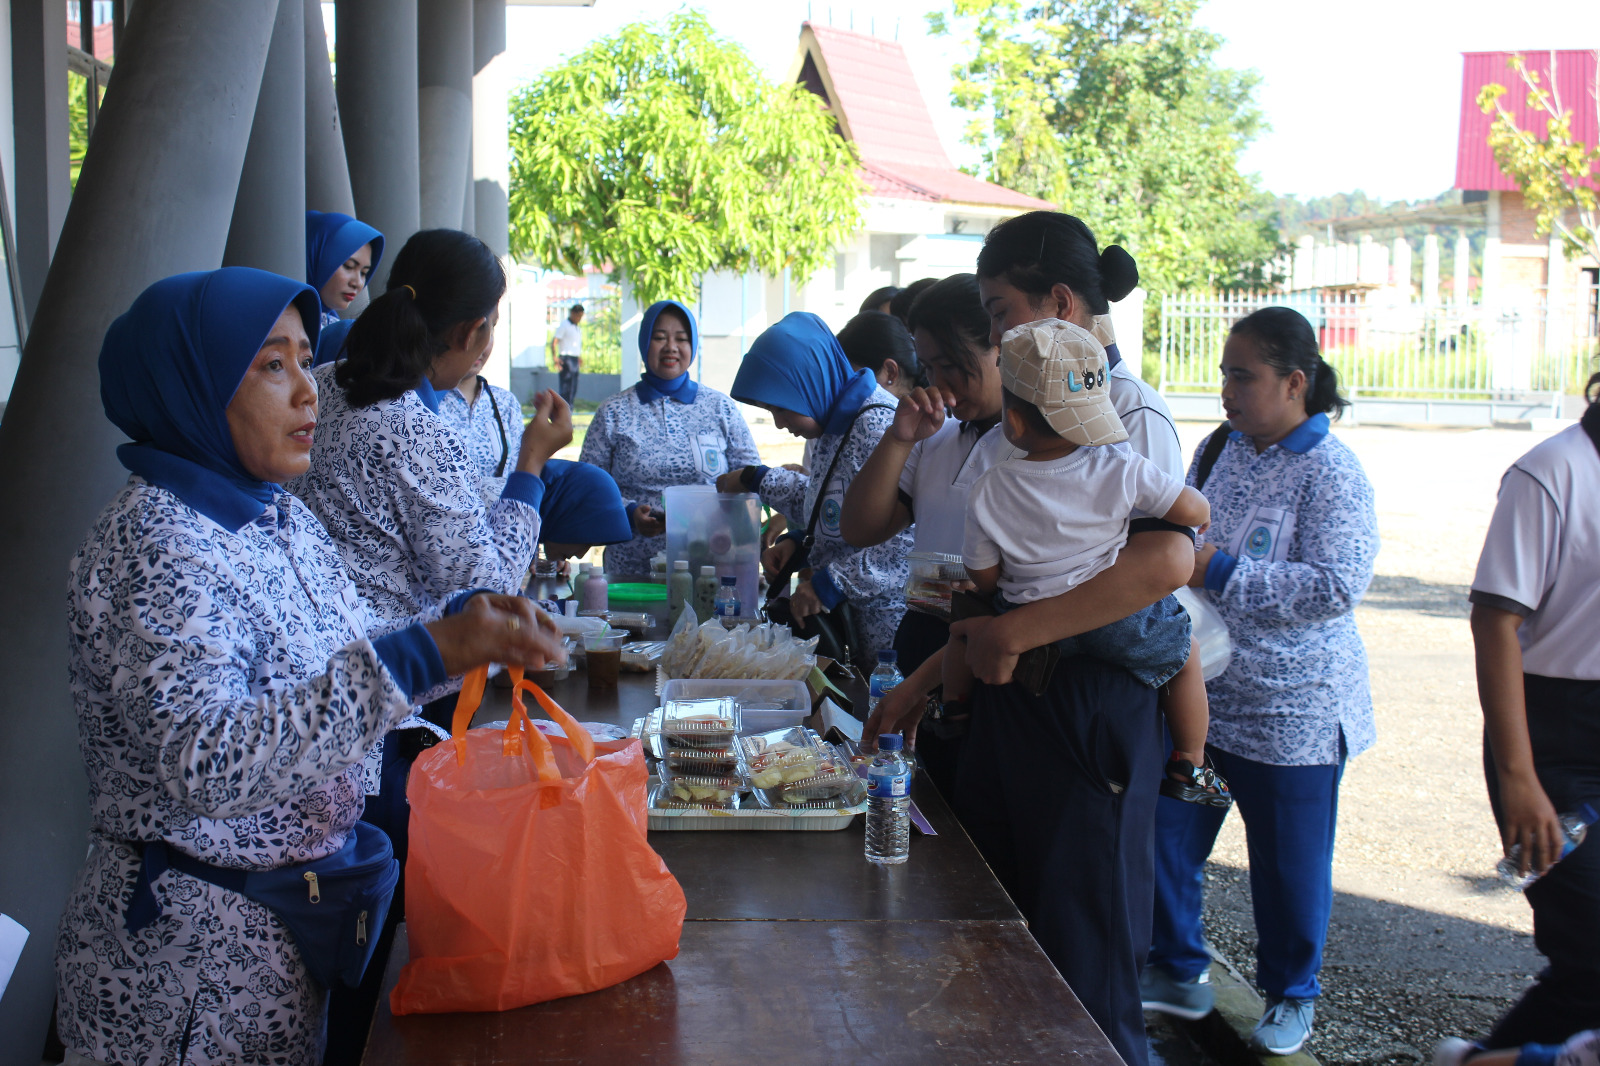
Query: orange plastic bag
{"points": [[529, 876]]}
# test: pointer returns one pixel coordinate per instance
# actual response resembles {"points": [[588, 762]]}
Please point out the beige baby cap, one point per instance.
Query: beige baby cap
{"points": [[1063, 371]]}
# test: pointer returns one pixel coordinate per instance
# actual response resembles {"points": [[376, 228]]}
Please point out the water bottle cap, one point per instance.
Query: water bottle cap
{"points": [[891, 742], [680, 564], [888, 655], [708, 571], [729, 580]]}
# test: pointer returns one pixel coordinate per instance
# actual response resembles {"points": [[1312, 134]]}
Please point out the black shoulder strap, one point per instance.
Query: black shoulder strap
{"points": [[505, 446], [1208, 458]]}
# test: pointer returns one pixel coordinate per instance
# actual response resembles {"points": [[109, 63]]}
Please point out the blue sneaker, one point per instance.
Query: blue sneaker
{"points": [[1284, 1028], [1162, 992]]}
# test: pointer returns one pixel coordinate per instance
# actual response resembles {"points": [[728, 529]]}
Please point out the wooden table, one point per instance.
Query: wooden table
{"points": [[796, 951]]}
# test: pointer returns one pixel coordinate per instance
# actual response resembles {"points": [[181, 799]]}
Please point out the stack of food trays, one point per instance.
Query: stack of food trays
{"points": [[708, 775]]}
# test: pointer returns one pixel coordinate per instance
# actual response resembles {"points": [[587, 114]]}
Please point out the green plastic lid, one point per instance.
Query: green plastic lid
{"points": [[638, 593]]}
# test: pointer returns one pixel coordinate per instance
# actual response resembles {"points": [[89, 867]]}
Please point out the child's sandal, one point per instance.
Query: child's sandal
{"points": [[1200, 784]]}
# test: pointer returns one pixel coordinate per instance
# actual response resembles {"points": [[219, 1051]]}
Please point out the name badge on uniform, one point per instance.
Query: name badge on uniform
{"points": [[710, 455], [1265, 536]]}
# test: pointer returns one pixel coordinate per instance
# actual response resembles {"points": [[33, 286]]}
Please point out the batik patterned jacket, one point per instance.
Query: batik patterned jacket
{"points": [[399, 493], [650, 447], [478, 429], [227, 687], [872, 579], [1297, 533]]}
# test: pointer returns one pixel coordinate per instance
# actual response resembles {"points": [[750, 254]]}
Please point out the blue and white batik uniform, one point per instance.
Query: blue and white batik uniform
{"points": [[872, 579], [399, 493], [652, 446], [491, 427], [1297, 536], [227, 686]]}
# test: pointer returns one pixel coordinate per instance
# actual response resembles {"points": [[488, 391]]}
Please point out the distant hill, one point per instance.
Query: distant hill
{"points": [[1295, 215]]}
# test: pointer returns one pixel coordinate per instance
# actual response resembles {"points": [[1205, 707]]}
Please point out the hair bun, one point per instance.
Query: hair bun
{"points": [[1118, 272]]}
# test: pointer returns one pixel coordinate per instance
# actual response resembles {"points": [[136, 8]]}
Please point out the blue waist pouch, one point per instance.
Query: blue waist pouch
{"points": [[334, 906]]}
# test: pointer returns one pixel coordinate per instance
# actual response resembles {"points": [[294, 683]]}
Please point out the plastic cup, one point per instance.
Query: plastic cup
{"points": [[603, 650]]}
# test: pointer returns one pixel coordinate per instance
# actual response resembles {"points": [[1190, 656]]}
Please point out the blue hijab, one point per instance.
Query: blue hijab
{"points": [[169, 368], [331, 238], [682, 388], [798, 365], [581, 505]]}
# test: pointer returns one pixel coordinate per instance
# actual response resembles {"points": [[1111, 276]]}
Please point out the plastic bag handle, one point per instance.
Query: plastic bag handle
{"points": [[579, 737], [471, 695]]}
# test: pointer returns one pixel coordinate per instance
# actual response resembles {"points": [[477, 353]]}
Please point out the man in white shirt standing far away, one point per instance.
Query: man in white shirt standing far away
{"points": [[566, 346]]}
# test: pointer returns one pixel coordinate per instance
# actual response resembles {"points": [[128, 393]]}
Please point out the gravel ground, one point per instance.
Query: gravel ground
{"points": [[1423, 943]]}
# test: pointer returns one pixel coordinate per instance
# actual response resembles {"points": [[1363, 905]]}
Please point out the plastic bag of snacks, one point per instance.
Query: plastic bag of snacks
{"points": [[764, 652]]}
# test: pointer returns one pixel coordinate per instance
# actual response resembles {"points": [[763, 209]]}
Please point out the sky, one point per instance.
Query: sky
{"points": [[1364, 94]]}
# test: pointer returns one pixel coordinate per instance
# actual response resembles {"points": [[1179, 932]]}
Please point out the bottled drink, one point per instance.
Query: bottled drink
{"points": [[706, 587], [1574, 825], [580, 579], [884, 677], [596, 594], [889, 803], [727, 603], [680, 590]]}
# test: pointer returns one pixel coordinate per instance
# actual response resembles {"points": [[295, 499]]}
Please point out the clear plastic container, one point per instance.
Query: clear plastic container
{"points": [[933, 576], [718, 529], [692, 786], [713, 761], [702, 723], [641, 656], [763, 705], [679, 794], [850, 794], [784, 756]]}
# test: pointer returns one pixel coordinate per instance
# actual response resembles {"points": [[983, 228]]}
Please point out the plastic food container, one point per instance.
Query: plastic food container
{"points": [[670, 795], [772, 759], [704, 723], [641, 656], [701, 788], [713, 761], [932, 578], [763, 705], [637, 621], [848, 794]]}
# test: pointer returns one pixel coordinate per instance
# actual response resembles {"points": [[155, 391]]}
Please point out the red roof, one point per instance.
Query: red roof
{"points": [[1574, 82], [102, 38], [868, 84]]}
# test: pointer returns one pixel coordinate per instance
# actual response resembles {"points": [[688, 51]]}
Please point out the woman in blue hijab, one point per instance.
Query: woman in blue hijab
{"points": [[341, 253], [228, 683], [797, 371], [666, 429]]}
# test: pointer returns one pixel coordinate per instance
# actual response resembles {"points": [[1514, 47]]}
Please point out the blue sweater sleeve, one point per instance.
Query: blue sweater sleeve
{"points": [[412, 658]]}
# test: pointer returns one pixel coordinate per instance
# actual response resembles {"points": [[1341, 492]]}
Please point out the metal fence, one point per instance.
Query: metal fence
{"points": [[1537, 351]]}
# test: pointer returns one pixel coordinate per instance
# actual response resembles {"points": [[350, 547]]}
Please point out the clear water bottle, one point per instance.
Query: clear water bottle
{"points": [[889, 803], [885, 676], [1574, 824], [727, 605]]}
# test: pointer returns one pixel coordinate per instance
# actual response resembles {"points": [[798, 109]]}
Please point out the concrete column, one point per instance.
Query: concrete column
{"points": [[444, 102], [469, 199], [1462, 270], [155, 198], [327, 175], [1430, 270], [269, 213], [377, 91], [491, 147], [42, 185], [1489, 285]]}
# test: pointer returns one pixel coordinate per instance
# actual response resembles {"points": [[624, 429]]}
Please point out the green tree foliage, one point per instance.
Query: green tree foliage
{"points": [[1556, 172], [1116, 111], [665, 153]]}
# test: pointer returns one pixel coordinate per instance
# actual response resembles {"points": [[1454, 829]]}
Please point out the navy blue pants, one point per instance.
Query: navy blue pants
{"points": [[919, 636], [1059, 792], [1564, 730], [1289, 816]]}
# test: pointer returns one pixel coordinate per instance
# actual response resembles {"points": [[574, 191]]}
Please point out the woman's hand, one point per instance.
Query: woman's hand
{"points": [[918, 416], [901, 708], [1531, 821], [547, 432], [497, 629], [1202, 560], [775, 558], [647, 521], [803, 603], [989, 657], [732, 481]]}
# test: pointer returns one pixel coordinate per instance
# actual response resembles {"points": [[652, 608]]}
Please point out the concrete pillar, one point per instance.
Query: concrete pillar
{"points": [[1400, 267], [444, 102], [1430, 270], [1463, 271], [155, 198], [42, 186], [269, 213], [377, 91], [491, 147], [1489, 283], [327, 174]]}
